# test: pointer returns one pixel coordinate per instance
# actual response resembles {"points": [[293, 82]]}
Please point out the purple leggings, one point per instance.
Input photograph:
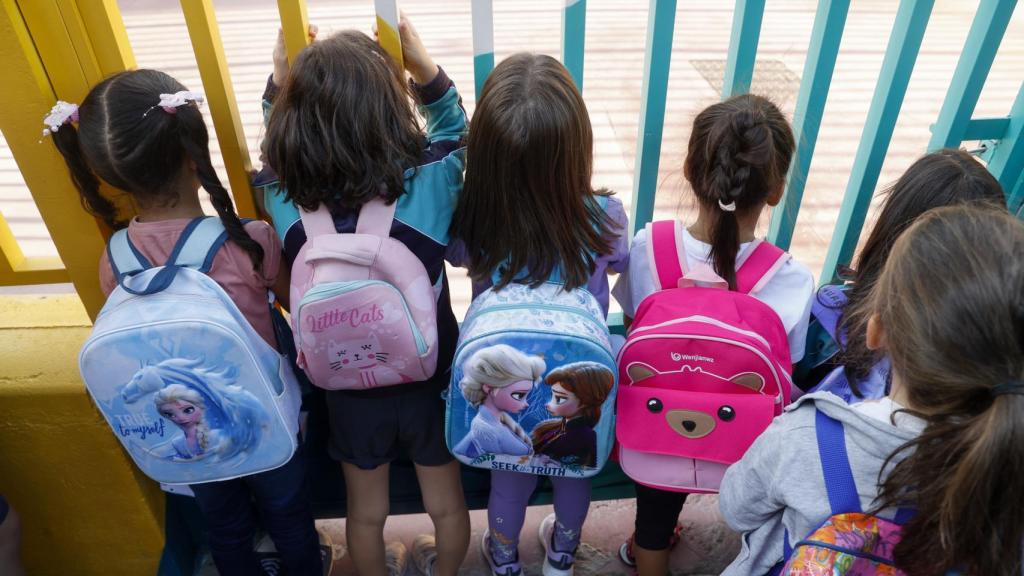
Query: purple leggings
{"points": [[506, 511]]}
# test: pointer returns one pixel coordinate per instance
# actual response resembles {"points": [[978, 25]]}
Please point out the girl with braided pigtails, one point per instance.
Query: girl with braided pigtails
{"points": [[142, 133], [739, 153]]}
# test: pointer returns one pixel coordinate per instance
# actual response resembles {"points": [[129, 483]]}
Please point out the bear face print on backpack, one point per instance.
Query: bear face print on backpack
{"points": [[365, 312], [188, 386], [703, 370], [533, 383]]}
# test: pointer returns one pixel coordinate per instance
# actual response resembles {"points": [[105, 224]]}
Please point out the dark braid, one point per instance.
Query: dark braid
{"points": [[93, 201], [132, 144], [739, 153], [219, 196]]}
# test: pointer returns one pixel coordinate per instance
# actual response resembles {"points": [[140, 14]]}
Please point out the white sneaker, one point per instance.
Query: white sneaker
{"points": [[424, 554], [396, 558], [510, 569], [555, 563]]}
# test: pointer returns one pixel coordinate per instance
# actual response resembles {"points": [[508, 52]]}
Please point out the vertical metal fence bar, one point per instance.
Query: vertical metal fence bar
{"points": [[574, 35], [483, 42], [1007, 161], [900, 56], [971, 71], [220, 95], [33, 80], [661, 21], [387, 28], [746, 31], [107, 35], [826, 36], [295, 24]]}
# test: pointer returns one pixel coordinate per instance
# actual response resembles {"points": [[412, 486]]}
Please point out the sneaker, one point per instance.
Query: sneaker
{"points": [[270, 563], [328, 551], [555, 563], [626, 550], [396, 558], [510, 569], [424, 554]]}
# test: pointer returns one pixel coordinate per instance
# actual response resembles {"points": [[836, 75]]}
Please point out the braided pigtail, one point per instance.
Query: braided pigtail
{"points": [[66, 140], [739, 153], [200, 154]]}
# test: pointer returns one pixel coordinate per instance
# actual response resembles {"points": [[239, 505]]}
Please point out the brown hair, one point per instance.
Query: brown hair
{"points": [[739, 153], [943, 178], [343, 129], [951, 303], [127, 141], [527, 203], [589, 381]]}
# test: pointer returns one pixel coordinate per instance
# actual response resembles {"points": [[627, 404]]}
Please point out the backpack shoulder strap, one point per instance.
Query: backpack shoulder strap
{"points": [[835, 465], [199, 242], [757, 265], [318, 222], [666, 253], [125, 259], [375, 217], [827, 307]]}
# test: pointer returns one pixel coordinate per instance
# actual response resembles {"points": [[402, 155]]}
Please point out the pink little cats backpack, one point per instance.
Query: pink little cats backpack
{"points": [[703, 371], [364, 311]]}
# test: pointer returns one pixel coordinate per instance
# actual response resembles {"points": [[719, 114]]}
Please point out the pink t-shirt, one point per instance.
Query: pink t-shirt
{"points": [[231, 268]]}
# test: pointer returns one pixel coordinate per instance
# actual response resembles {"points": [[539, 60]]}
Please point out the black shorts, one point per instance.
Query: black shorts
{"points": [[374, 427], [657, 513]]}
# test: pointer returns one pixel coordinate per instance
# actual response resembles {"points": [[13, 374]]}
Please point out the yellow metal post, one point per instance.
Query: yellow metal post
{"points": [[213, 68], [107, 35], [295, 23], [41, 64], [387, 28]]}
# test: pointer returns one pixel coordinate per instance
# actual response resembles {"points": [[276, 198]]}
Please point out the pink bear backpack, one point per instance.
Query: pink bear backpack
{"points": [[703, 371], [364, 310]]}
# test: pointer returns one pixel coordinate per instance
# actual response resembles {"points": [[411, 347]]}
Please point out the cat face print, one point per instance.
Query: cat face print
{"points": [[362, 354]]}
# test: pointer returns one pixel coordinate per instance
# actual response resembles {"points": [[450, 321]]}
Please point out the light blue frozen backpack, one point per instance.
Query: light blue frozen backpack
{"points": [[188, 386], [533, 383]]}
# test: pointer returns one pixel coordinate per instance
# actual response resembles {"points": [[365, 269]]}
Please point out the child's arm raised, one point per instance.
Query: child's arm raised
{"points": [[439, 101]]}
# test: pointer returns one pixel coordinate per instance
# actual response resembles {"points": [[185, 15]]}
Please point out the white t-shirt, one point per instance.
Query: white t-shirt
{"points": [[789, 292]]}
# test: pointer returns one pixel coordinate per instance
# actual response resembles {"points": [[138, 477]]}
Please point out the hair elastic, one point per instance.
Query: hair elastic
{"points": [[730, 207], [171, 102], [1015, 387], [62, 113]]}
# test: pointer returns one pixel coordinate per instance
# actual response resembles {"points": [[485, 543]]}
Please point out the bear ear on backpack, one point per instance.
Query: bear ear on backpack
{"points": [[751, 380], [638, 371]]}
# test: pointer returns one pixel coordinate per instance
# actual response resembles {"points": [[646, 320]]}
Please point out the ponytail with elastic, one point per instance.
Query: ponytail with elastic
{"points": [[65, 138]]}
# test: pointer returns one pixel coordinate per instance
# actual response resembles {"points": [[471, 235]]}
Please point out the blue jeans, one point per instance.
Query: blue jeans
{"points": [[281, 498]]}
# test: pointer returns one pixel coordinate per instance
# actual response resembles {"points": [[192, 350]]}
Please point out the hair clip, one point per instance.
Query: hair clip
{"points": [[1011, 387], [171, 102], [730, 207], [61, 114]]}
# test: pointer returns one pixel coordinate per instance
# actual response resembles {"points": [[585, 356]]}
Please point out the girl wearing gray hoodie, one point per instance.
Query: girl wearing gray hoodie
{"points": [[948, 441]]}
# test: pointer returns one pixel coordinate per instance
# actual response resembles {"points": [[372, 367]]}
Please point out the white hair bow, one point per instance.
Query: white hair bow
{"points": [[170, 102], [61, 113]]}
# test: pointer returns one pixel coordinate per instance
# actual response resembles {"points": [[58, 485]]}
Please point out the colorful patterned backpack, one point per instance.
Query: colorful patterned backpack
{"points": [[703, 370], [364, 311], [188, 386], [850, 542], [533, 383]]}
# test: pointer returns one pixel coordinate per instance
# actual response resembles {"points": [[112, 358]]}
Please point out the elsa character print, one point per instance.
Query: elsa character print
{"points": [[577, 392], [217, 418], [496, 382], [185, 408]]}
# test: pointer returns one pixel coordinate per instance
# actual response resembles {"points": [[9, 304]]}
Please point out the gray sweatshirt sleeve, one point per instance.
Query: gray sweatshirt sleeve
{"points": [[748, 497]]}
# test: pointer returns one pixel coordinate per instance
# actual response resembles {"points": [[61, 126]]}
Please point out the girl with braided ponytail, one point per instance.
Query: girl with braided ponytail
{"points": [[141, 132], [947, 442], [738, 156]]}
